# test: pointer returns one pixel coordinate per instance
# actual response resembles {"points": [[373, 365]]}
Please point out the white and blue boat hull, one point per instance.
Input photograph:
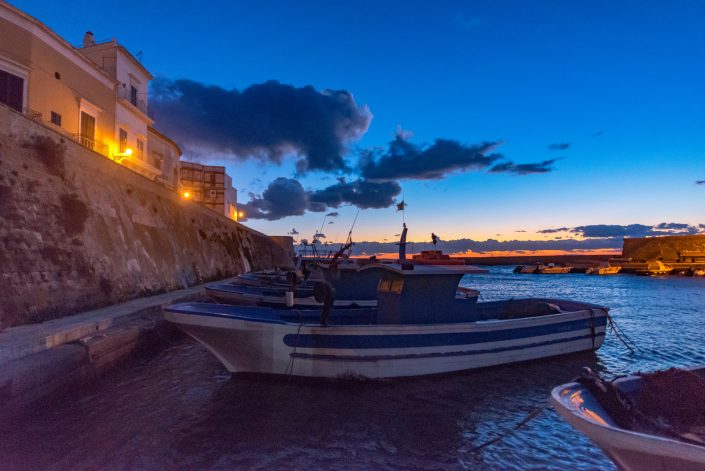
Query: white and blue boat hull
{"points": [[252, 344]]}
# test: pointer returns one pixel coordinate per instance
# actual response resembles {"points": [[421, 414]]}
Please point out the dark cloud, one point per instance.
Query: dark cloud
{"points": [[598, 134], [553, 231], [361, 193], [520, 230], [672, 225], [283, 197], [617, 231], [524, 169], [404, 160], [700, 182], [334, 214], [265, 121], [286, 197], [559, 146]]}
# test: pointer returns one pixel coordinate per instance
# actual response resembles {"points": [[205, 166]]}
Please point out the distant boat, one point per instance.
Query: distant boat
{"points": [[699, 272], [541, 269], [419, 327], [654, 268], [603, 270], [642, 422]]}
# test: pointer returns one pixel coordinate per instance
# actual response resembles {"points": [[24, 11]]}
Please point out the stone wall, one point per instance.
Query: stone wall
{"points": [[78, 231], [664, 248]]}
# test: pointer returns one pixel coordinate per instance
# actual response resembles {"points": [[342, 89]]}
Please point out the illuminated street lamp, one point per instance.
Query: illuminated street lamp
{"points": [[240, 215], [187, 195]]}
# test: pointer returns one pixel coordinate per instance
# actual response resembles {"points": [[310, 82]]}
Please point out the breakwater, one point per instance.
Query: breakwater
{"points": [[78, 231]]}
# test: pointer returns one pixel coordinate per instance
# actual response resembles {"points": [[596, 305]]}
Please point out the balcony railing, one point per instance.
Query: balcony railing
{"points": [[89, 143], [136, 101]]}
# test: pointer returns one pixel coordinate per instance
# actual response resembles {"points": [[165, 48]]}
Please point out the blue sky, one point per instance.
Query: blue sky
{"points": [[622, 82]]}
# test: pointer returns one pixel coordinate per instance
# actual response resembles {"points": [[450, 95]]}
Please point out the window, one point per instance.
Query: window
{"points": [[87, 130], [157, 160], [11, 90], [123, 141], [133, 95], [140, 149], [55, 118]]}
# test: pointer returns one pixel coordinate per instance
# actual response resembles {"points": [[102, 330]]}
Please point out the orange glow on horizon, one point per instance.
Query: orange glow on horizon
{"points": [[507, 253]]}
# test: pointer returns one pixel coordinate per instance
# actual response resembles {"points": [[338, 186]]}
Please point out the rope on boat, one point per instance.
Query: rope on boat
{"points": [[529, 417], [621, 335]]}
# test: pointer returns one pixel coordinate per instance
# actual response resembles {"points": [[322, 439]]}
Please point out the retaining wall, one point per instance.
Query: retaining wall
{"points": [[79, 231]]}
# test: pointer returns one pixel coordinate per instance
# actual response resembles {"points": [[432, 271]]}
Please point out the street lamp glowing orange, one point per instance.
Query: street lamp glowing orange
{"points": [[240, 215], [187, 195], [128, 152]]}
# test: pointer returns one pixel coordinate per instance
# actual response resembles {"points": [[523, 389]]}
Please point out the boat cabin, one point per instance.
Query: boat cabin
{"points": [[419, 294]]}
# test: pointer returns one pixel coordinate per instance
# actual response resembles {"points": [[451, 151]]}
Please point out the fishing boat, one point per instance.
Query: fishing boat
{"points": [[542, 269], [603, 270], [654, 268], [419, 327], [642, 422], [353, 288]]}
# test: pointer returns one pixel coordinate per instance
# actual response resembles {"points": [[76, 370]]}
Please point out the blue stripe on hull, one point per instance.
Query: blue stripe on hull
{"points": [[435, 340], [440, 354]]}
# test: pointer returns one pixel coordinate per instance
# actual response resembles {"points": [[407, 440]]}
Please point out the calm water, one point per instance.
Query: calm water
{"points": [[180, 409]]}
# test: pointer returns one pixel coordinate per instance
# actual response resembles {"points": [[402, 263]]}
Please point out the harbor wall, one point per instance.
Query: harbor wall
{"points": [[666, 248], [79, 231]]}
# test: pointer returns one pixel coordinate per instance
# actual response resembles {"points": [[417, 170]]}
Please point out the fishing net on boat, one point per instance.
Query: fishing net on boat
{"points": [[674, 399], [669, 403]]}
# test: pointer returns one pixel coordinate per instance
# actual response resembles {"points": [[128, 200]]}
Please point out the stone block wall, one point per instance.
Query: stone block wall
{"points": [[79, 231], [664, 248]]}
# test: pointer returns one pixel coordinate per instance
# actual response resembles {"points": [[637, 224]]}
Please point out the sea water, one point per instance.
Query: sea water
{"points": [[180, 409]]}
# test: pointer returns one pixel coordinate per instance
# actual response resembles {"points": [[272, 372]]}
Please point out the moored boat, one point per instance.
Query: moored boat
{"points": [[419, 327], [642, 422], [543, 269], [603, 270], [654, 268]]}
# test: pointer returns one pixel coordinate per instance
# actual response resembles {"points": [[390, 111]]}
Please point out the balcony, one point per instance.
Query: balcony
{"points": [[133, 99], [89, 143]]}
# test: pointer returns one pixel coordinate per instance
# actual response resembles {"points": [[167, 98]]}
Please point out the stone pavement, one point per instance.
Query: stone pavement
{"points": [[38, 360]]}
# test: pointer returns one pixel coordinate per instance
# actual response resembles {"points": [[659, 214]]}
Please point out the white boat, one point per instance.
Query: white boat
{"points": [[654, 268], [637, 447], [420, 327], [603, 270], [543, 269]]}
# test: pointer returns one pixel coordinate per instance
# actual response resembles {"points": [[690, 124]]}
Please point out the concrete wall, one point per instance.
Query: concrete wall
{"points": [[78, 231], [664, 248]]}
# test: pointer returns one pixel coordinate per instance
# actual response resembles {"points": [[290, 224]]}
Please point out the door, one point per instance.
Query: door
{"points": [[87, 130], [11, 88]]}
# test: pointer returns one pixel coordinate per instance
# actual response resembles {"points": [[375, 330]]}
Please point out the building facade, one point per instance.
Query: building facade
{"points": [[210, 186], [96, 94]]}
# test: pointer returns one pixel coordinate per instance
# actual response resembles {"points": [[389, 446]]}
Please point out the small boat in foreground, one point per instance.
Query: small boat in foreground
{"points": [[642, 422], [419, 327]]}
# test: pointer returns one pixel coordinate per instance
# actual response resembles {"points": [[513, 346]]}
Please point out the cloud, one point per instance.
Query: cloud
{"points": [[404, 160], [559, 146], [285, 197], [524, 169], [700, 182], [334, 214], [520, 230], [553, 231], [361, 193], [617, 231], [598, 134], [265, 121]]}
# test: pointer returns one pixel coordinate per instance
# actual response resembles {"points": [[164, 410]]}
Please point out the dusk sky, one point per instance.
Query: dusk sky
{"points": [[550, 115]]}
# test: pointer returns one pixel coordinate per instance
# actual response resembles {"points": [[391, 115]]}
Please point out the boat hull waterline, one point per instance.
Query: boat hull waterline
{"points": [[246, 344]]}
